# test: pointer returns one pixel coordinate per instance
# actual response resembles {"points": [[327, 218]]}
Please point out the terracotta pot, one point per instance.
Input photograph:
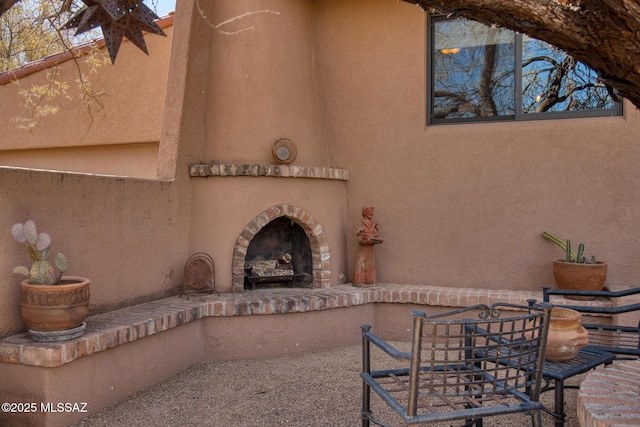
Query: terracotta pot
{"points": [[47, 308], [580, 277], [566, 335]]}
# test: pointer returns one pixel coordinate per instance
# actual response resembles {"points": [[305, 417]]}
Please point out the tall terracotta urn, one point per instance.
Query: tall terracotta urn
{"points": [[580, 277], [49, 308], [566, 335]]}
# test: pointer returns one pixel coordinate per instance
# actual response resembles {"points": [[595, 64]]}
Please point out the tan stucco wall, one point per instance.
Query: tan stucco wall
{"points": [[458, 205], [464, 205], [135, 160], [129, 236], [261, 337], [100, 380], [262, 85], [113, 231], [118, 138]]}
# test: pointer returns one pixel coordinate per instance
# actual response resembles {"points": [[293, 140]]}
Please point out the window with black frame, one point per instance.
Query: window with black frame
{"points": [[484, 73]]}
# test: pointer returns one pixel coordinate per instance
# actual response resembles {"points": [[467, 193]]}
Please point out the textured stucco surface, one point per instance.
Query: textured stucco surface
{"points": [[118, 135], [111, 230], [464, 205], [133, 91], [457, 205]]}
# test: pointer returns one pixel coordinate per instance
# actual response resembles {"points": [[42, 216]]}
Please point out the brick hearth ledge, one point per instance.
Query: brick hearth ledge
{"points": [[119, 327]]}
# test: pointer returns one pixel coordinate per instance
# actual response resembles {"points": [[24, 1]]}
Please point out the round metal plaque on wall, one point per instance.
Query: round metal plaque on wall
{"points": [[284, 151]]}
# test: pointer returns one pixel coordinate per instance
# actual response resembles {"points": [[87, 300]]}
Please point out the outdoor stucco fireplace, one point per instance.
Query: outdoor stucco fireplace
{"points": [[318, 187], [282, 246]]}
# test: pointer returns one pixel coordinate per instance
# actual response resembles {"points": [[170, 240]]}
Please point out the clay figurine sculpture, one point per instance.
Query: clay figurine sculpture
{"points": [[365, 274]]}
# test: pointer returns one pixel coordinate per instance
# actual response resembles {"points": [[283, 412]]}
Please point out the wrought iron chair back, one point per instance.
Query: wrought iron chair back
{"points": [[623, 341], [462, 368]]}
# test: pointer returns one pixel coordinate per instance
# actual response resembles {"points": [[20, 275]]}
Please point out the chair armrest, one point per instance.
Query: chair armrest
{"points": [[601, 310], [386, 347], [615, 339], [612, 328], [621, 293]]}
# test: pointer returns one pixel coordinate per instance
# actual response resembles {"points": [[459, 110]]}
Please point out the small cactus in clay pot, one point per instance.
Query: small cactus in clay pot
{"points": [[37, 246]]}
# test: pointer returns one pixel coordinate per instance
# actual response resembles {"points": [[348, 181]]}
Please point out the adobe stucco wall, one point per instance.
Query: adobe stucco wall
{"points": [[116, 232], [120, 137], [129, 236], [458, 205], [464, 205], [98, 381], [262, 85]]}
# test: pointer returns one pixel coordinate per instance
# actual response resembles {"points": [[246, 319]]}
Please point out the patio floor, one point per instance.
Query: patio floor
{"points": [[316, 389]]}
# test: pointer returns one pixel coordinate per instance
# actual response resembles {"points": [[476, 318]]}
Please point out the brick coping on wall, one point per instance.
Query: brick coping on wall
{"points": [[115, 328]]}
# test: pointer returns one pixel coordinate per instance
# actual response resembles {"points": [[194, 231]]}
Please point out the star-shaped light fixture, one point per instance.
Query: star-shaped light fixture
{"points": [[118, 19]]}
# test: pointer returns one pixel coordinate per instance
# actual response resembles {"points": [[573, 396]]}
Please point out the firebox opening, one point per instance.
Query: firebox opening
{"points": [[279, 255]]}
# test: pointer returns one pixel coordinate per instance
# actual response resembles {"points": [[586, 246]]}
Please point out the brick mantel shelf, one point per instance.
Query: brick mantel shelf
{"points": [[278, 171]]}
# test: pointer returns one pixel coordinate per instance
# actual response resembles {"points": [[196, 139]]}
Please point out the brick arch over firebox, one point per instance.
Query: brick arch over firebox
{"points": [[313, 230]]}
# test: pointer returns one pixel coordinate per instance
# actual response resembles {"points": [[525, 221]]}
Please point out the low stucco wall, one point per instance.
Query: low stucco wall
{"points": [[129, 236], [94, 383], [125, 235], [128, 349], [258, 337]]}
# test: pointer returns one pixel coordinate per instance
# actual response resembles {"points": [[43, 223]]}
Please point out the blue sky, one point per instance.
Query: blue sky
{"points": [[163, 7]]}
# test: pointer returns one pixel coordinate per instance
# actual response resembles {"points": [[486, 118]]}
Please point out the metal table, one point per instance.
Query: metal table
{"points": [[558, 372]]}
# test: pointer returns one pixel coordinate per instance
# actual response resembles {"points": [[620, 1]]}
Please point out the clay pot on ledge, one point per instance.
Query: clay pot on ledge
{"points": [[566, 335], [579, 277], [53, 308]]}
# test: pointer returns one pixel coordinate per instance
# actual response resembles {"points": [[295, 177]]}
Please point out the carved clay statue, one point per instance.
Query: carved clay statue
{"points": [[365, 272]]}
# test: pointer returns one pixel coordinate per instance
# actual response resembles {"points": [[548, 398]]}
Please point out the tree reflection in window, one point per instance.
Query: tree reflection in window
{"points": [[472, 70], [474, 76], [554, 81]]}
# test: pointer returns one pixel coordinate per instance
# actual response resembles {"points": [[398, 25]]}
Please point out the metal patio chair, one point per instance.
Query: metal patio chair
{"points": [[623, 341], [460, 368]]}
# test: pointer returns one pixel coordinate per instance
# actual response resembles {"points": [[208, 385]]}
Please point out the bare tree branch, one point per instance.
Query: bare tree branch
{"points": [[604, 34], [6, 5]]}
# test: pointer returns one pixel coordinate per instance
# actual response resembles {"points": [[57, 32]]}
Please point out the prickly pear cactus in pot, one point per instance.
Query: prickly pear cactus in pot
{"points": [[37, 247]]}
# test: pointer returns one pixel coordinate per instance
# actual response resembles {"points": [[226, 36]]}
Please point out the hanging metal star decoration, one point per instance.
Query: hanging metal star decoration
{"points": [[118, 19]]}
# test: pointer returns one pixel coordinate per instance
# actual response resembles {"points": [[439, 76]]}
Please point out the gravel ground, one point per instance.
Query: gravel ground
{"points": [[316, 389]]}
